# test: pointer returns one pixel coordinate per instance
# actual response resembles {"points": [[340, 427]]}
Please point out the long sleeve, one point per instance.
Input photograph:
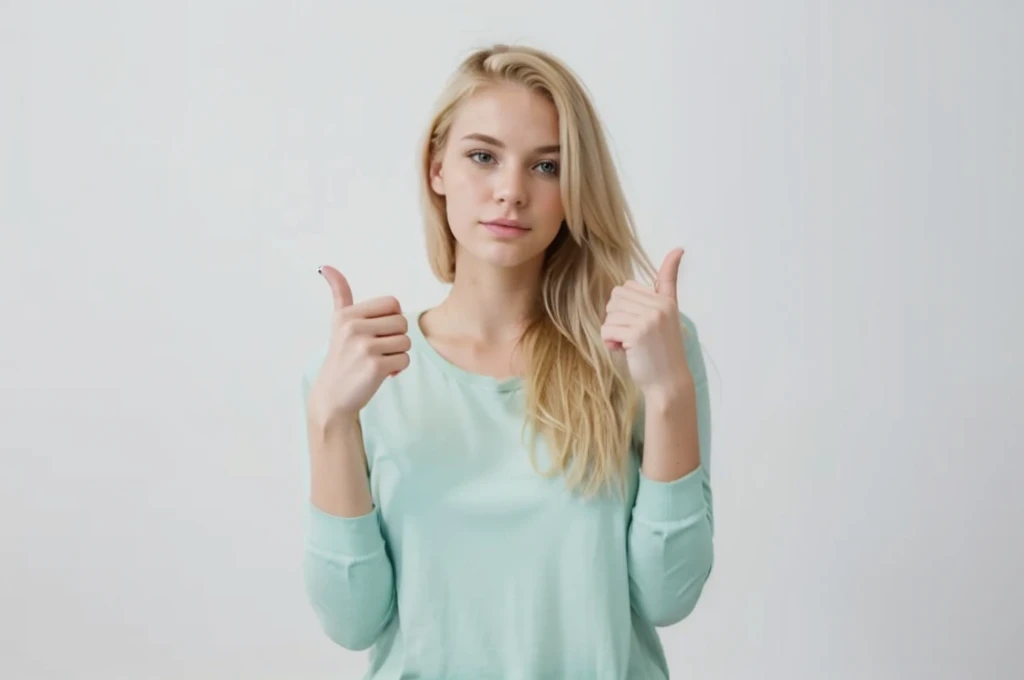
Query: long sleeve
{"points": [[349, 578], [348, 574], [670, 549]]}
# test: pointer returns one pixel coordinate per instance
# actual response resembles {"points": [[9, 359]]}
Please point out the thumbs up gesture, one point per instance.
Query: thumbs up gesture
{"points": [[369, 341], [645, 324]]}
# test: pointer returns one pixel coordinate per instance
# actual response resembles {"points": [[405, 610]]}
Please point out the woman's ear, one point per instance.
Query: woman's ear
{"points": [[437, 177]]}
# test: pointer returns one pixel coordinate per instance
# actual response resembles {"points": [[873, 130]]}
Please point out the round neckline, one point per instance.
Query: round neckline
{"points": [[420, 342]]}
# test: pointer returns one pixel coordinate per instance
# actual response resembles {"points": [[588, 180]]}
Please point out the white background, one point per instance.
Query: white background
{"points": [[846, 179]]}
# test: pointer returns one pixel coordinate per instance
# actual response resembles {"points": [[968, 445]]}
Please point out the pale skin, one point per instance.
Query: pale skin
{"points": [[498, 163], [644, 323], [368, 343], [501, 162]]}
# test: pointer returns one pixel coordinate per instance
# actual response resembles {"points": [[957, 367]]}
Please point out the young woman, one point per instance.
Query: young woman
{"points": [[514, 483]]}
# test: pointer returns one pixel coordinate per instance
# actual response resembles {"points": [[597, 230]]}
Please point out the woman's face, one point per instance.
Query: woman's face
{"points": [[501, 163]]}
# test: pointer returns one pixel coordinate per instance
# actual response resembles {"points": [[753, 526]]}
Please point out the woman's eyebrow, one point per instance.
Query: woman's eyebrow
{"points": [[480, 137]]}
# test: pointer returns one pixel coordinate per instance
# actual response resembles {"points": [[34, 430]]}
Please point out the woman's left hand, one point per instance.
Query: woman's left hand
{"points": [[645, 324]]}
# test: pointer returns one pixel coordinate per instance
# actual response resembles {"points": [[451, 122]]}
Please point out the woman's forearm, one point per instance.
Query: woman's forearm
{"points": [[338, 477]]}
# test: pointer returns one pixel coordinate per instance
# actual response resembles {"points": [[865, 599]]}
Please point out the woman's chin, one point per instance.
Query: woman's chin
{"points": [[504, 254]]}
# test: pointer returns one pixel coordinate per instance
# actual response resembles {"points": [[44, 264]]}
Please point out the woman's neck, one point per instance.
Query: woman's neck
{"points": [[490, 304]]}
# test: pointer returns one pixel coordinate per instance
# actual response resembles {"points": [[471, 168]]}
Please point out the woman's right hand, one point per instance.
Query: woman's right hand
{"points": [[368, 342]]}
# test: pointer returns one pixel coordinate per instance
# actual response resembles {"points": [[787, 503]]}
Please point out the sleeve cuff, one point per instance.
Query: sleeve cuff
{"points": [[348, 536], [671, 501]]}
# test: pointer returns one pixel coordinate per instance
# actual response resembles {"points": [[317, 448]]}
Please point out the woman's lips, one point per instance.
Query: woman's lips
{"points": [[505, 228]]}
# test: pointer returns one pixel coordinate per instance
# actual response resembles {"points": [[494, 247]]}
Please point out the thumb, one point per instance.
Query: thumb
{"points": [[340, 289], [668, 275]]}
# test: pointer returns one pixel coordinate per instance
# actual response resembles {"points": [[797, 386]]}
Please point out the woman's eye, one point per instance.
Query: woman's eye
{"points": [[546, 167]]}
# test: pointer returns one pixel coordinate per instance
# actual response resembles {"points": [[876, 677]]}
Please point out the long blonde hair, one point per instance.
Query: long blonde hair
{"points": [[577, 395]]}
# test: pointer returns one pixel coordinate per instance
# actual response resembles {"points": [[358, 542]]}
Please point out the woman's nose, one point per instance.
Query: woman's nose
{"points": [[511, 188]]}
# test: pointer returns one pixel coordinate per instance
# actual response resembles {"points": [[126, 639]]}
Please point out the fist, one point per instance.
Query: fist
{"points": [[368, 342]]}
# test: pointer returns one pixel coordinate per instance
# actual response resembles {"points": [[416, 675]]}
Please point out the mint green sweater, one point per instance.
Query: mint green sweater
{"points": [[471, 565]]}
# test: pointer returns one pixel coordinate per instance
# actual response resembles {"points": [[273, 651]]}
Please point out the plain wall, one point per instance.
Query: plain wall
{"points": [[845, 177]]}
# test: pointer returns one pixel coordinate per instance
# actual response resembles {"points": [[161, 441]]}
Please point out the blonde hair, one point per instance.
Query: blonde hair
{"points": [[577, 395]]}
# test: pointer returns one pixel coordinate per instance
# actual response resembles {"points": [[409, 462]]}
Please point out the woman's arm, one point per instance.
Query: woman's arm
{"points": [[670, 535], [348, 575]]}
